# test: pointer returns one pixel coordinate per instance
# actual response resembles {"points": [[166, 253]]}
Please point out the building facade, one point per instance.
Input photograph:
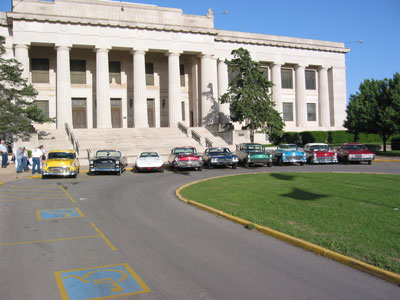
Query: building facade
{"points": [[106, 64]]}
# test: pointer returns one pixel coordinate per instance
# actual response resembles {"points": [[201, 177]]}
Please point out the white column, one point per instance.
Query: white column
{"points": [[139, 90], [223, 85], [63, 89], [209, 112], [195, 92], [103, 89], [301, 105], [174, 90], [323, 91], [277, 87], [22, 55]]}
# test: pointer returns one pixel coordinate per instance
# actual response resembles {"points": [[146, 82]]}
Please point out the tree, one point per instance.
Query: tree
{"points": [[17, 109], [249, 96], [375, 108]]}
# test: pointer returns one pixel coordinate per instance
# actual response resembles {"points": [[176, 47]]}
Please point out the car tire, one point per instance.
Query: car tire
{"points": [[161, 170], [370, 162], [279, 162], [246, 164], [301, 163], [44, 177], [269, 164], [234, 166]]}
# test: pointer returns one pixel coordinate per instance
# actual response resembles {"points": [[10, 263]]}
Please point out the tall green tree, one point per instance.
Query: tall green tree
{"points": [[375, 108], [250, 98], [17, 109]]}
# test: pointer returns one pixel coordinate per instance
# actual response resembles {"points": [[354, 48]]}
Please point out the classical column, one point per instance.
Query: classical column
{"points": [[277, 87], [103, 89], [209, 112], [22, 55], [63, 89], [301, 105], [139, 90], [323, 91], [174, 90], [223, 84]]}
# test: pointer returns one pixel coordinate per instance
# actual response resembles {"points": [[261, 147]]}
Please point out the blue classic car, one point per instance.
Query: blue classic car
{"points": [[220, 156], [288, 153]]}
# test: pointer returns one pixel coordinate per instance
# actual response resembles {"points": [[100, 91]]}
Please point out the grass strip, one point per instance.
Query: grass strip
{"points": [[354, 214]]}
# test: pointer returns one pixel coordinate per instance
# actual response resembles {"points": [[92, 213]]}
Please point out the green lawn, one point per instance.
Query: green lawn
{"points": [[354, 214]]}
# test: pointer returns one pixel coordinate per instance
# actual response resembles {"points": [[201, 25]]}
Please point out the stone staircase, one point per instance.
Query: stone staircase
{"points": [[130, 141]]}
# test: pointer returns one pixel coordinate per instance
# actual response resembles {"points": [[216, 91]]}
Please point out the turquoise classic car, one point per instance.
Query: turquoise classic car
{"points": [[289, 153], [253, 155]]}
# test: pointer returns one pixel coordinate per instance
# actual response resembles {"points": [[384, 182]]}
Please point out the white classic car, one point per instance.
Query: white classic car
{"points": [[149, 161]]}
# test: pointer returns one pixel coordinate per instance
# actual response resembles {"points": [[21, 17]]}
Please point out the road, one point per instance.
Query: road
{"points": [[128, 237]]}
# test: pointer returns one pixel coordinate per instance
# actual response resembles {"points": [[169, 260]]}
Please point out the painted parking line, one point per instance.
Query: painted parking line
{"points": [[50, 240], [101, 234], [59, 213], [103, 282], [66, 193]]}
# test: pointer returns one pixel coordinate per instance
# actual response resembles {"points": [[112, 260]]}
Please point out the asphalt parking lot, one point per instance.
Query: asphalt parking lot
{"points": [[128, 237]]}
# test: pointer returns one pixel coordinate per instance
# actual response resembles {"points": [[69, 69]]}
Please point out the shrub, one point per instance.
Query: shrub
{"points": [[290, 138], [314, 137], [395, 143], [340, 137]]}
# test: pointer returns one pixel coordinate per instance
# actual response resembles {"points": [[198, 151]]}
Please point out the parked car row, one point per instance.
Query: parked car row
{"points": [[66, 163]]}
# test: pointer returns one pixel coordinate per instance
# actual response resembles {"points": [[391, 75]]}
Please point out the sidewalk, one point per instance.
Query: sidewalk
{"points": [[10, 173]]}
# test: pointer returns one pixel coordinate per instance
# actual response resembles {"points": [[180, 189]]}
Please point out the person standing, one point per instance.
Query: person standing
{"points": [[4, 154], [25, 160], [19, 155], [36, 159]]}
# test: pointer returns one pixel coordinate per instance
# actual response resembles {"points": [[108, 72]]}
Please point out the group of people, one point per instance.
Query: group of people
{"points": [[21, 158]]}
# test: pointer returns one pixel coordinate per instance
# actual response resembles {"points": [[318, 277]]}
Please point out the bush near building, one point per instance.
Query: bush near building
{"points": [[334, 137], [395, 143]]}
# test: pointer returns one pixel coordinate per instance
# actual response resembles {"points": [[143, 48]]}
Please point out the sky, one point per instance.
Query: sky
{"points": [[377, 23]]}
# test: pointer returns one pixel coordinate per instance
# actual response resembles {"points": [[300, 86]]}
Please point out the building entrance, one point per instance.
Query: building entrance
{"points": [[79, 113], [150, 113], [116, 118]]}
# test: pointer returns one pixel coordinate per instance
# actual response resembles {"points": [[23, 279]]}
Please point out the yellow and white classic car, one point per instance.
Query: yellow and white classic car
{"points": [[61, 163]]}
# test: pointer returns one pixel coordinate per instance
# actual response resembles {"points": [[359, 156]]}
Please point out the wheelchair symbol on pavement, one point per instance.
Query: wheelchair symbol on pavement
{"points": [[99, 283], [59, 213]]}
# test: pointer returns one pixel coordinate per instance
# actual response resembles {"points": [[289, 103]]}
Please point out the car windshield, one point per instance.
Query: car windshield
{"points": [[149, 154], [61, 155], [184, 150], [107, 153], [355, 147], [253, 148], [288, 146], [219, 151], [319, 147]]}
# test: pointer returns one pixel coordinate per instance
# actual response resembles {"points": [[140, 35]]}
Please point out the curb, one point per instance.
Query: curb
{"points": [[351, 262], [387, 160]]}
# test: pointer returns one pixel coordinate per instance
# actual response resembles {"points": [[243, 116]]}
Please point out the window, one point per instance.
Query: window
{"points": [[287, 111], [183, 111], [182, 74], [78, 71], [149, 74], [264, 70], [310, 80], [311, 112], [40, 70], [44, 106], [287, 78], [115, 71]]}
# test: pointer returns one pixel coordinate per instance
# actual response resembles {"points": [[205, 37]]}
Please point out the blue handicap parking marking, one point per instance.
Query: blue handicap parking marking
{"points": [[59, 213], [100, 283]]}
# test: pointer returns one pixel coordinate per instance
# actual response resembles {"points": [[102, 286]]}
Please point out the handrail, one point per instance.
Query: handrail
{"points": [[71, 137], [208, 143], [196, 136], [183, 128]]}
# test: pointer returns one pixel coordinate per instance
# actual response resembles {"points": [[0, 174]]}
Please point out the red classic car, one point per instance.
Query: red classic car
{"points": [[319, 153], [355, 152], [185, 157]]}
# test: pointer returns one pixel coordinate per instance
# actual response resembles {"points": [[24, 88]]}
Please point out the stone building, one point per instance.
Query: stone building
{"points": [[109, 64]]}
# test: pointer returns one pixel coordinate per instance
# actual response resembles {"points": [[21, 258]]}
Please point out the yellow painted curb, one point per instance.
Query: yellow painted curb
{"points": [[1, 183], [351, 262], [387, 160]]}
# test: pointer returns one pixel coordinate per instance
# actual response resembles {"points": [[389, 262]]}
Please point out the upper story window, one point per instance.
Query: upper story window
{"points": [[40, 70], [265, 72], [149, 74], [78, 71], [182, 74], [287, 78], [44, 106], [115, 71], [311, 80]]}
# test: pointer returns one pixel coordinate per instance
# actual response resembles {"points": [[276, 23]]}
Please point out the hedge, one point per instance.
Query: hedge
{"points": [[395, 143], [332, 137]]}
